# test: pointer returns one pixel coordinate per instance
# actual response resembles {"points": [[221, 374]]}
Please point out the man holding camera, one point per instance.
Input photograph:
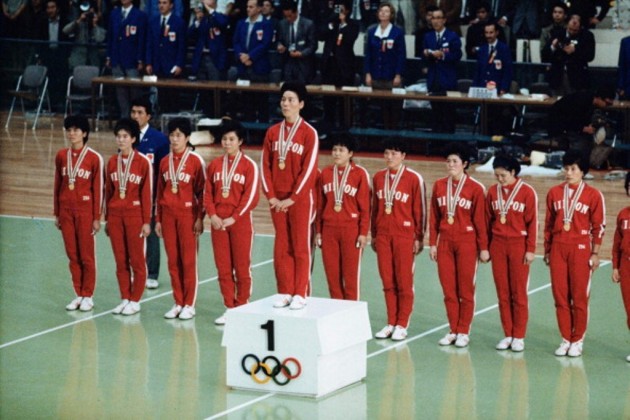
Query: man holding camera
{"points": [[297, 44]]}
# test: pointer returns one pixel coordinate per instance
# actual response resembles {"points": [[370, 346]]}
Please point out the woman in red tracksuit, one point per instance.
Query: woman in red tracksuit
{"points": [[574, 229], [398, 223], [343, 219], [458, 238], [621, 255], [128, 192], [78, 200], [512, 217], [179, 216], [231, 194]]}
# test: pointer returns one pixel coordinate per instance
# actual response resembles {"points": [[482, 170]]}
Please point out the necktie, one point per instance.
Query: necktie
{"points": [[163, 24], [292, 40], [439, 41], [491, 54], [124, 14]]}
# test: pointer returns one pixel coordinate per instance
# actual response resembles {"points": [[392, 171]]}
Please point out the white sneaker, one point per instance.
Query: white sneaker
{"points": [[386, 332], [220, 320], [575, 350], [118, 309], [628, 358], [462, 340], [174, 312], [87, 304], [132, 308], [74, 305], [284, 300], [399, 333], [448, 339], [563, 349], [518, 344], [188, 312], [152, 284], [504, 344], [298, 302]]}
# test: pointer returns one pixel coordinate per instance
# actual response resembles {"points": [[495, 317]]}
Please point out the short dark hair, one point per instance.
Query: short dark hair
{"points": [[289, 5], [492, 23], [576, 157], [228, 125], [345, 140], [561, 5], [463, 151], [483, 5], [605, 92], [296, 87], [183, 124], [144, 102], [508, 163], [395, 143], [431, 8], [80, 122], [131, 127]]}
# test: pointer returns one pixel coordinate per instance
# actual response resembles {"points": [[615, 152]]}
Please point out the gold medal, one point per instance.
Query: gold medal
{"points": [[225, 193], [503, 219], [337, 208], [122, 195], [388, 209], [71, 186], [174, 189], [567, 226], [281, 165], [450, 220]]}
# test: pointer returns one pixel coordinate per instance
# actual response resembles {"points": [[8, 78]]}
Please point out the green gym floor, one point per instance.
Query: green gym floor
{"points": [[59, 364]]}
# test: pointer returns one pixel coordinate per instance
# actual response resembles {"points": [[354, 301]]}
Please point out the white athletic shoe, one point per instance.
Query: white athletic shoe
{"points": [[118, 309], [74, 305], [399, 333], [386, 332], [297, 303], [462, 340], [563, 348], [152, 284], [87, 304], [188, 312], [220, 320], [518, 345], [284, 300], [132, 308], [504, 344], [174, 312], [448, 339], [628, 358], [575, 350]]}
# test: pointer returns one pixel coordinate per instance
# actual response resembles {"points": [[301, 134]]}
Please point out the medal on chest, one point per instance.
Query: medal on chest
{"points": [[339, 184], [390, 188], [73, 169], [174, 173], [123, 174], [285, 141], [504, 206], [228, 175], [569, 205], [452, 199]]}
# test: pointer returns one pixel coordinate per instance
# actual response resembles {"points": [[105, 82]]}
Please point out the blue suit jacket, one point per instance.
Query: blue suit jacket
{"points": [[126, 39], [623, 72], [155, 145], [385, 57], [259, 44], [444, 72], [166, 49], [497, 69], [211, 35]]}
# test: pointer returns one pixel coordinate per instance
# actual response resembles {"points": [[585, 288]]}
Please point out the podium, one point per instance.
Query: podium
{"points": [[309, 352]]}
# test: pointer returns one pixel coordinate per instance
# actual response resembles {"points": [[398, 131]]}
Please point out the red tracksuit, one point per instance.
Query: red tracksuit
{"points": [[569, 255], [125, 217], [177, 212], [76, 211], [232, 246], [621, 256], [340, 230], [509, 242], [393, 236], [292, 246], [458, 247]]}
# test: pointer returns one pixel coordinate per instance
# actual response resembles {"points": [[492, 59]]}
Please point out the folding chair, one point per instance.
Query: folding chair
{"points": [[31, 86], [79, 89]]}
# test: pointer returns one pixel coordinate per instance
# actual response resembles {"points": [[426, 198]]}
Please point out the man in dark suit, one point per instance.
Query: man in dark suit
{"points": [[623, 71], [570, 50], [297, 44], [452, 10], [252, 40]]}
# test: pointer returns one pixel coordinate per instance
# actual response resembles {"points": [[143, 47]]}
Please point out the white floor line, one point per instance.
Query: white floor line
{"points": [[108, 312], [238, 407]]}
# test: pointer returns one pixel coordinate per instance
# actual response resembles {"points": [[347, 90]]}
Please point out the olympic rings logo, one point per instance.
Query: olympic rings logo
{"points": [[279, 372]]}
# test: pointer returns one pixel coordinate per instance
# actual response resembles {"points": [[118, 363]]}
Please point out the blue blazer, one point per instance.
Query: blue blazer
{"points": [[444, 72], [623, 72], [166, 49], [385, 57], [259, 44], [126, 39], [211, 34], [497, 68], [155, 145]]}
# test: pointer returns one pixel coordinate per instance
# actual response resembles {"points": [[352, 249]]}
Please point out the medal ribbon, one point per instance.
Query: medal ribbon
{"points": [[72, 169], [504, 207], [391, 191], [172, 173], [451, 200], [285, 145], [123, 177], [227, 176], [338, 186], [570, 209]]}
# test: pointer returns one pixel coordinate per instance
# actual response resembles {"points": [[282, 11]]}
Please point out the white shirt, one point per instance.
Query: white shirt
{"points": [[383, 33]]}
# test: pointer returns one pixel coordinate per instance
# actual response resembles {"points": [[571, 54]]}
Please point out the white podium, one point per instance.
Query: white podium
{"points": [[311, 352]]}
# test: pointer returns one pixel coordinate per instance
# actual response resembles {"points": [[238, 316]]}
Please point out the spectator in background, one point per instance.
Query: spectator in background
{"points": [[15, 18], [211, 51], [36, 15], [451, 8], [591, 12], [571, 50], [621, 15], [384, 60], [424, 26], [559, 15], [442, 50], [297, 44], [84, 28], [623, 71], [526, 24], [364, 12], [467, 14], [126, 38], [152, 8], [405, 15]]}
